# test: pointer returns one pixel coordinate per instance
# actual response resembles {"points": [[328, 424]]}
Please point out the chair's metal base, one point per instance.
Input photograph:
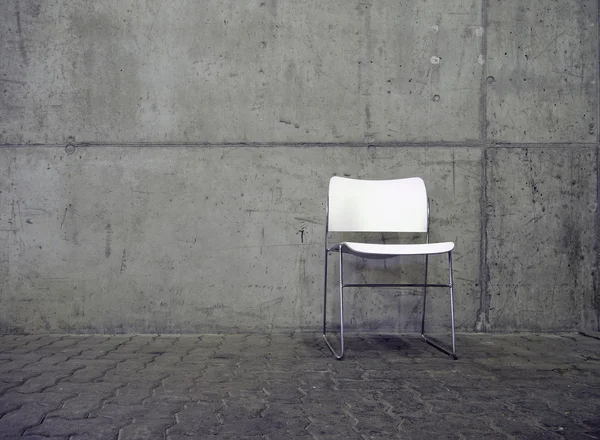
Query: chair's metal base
{"points": [[452, 353], [337, 356], [340, 355]]}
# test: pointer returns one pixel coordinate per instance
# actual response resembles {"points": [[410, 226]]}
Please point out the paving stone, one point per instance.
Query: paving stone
{"points": [[117, 375], [243, 407], [152, 411], [53, 400], [521, 427], [145, 429], [197, 356], [230, 437], [181, 377], [467, 434], [42, 381], [93, 353], [7, 406], [137, 360], [93, 370], [284, 392], [19, 363], [214, 374], [171, 398], [301, 410], [126, 363], [33, 437], [131, 394], [474, 408], [78, 407], [325, 427], [560, 424], [25, 416], [372, 421], [403, 404], [19, 376], [31, 343], [73, 388], [439, 425], [93, 428], [273, 427], [167, 360], [197, 419]]}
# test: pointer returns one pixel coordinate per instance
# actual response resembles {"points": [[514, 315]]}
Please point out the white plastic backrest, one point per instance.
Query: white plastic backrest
{"points": [[377, 205]]}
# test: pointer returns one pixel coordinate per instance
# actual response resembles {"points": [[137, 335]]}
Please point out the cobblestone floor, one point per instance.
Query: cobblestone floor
{"points": [[288, 386]]}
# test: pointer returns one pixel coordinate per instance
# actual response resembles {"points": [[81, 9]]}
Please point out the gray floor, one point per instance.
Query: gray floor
{"points": [[288, 386]]}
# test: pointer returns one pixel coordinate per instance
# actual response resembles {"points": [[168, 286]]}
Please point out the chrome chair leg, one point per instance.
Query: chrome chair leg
{"points": [[452, 305], [424, 297], [429, 341], [339, 355], [325, 295]]}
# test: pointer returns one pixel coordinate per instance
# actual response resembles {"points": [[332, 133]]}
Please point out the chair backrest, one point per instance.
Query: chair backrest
{"points": [[398, 205]]}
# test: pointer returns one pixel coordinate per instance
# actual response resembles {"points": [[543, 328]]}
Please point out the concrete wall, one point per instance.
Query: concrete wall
{"points": [[164, 164]]}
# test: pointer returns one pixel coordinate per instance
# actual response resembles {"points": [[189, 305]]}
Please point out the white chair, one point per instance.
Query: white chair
{"points": [[399, 205]]}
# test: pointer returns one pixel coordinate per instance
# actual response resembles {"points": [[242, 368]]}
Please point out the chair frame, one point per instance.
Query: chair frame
{"points": [[340, 249]]}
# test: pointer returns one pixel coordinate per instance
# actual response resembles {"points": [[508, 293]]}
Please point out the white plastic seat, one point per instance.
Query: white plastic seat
{"points": [[399, 205], [374, 250]]}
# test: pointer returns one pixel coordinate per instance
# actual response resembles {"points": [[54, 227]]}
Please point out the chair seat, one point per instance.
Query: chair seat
{"points": [[373, 250]]}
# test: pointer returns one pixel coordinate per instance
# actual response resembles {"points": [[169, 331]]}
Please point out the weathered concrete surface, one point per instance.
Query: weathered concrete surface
{"points": [[541, 240], [207, 239], [229, 71], [115, 238], [542, 68], [289, 386]]}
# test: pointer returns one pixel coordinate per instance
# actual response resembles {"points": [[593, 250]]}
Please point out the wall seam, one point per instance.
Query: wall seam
{"points": [[596, 275], [484, 74], [482, 323], [350, 144], [483, 319], [596, 278]]}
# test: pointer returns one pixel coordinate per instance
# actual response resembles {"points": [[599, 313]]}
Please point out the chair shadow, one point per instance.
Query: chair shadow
{"points": [[387, 343], [370, 344]]}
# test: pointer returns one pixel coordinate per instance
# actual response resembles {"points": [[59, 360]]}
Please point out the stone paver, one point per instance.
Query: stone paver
{"points": [[522, 386]]}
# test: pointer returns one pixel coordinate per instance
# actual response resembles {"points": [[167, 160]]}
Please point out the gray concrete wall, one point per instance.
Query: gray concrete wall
{"points": [[164, 164]]}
